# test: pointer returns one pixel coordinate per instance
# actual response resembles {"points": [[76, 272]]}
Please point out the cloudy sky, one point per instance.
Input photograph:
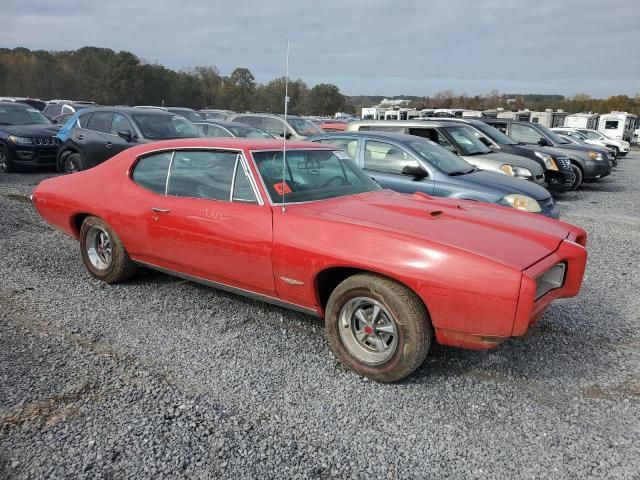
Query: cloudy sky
{"points": [[374, 47]]}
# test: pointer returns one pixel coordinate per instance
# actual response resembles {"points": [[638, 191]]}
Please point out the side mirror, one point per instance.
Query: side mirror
{"points": [[287, 136], [126, 135], [486, 141], [543, 142], [414, 171]]}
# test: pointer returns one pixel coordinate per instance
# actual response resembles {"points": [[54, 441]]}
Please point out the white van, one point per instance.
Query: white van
{"points": [[582, 120], [619, 125]]}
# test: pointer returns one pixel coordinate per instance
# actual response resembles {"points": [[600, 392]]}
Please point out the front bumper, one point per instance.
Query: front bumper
{"points": [[549, 208], [24, 155], [594, 169], [560, 180]]}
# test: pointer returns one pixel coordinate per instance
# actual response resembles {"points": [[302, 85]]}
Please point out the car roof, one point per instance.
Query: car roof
{"points": [[266, 114], [398, 137], [182, 109], [400, 123], [129, 110], [226, 123], [15, 104], [254, 144]]}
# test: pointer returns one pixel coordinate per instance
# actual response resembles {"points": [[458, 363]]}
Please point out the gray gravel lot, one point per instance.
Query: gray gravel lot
{"points": [[163, 378]]}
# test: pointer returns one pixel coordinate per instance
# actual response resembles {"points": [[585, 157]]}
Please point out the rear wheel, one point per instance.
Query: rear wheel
{"points": [[103, 253], [579, 177], [377, 327], [73, 163], [6, 163]]}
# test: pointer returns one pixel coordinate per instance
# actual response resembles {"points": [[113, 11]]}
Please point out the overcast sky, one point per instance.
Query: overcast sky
{"points": [[371, 47]]}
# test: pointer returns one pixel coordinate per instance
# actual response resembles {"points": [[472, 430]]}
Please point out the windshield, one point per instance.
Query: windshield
{"points": [[591, 135], [190, 114], [466, 141], [303, 127], [555, 138], [440, 157], [311, 175], [159, 127], [19, 115], [495, 134], [248, 132]]}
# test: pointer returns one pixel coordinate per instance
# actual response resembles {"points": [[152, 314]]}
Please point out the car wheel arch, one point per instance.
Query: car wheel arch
{"points": [[326, 281]]}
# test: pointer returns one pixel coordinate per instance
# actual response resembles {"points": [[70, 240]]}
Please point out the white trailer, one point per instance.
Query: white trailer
{"points": [[582, 120], [549, 118], [373, 113], [522, 116], [619, 125]]}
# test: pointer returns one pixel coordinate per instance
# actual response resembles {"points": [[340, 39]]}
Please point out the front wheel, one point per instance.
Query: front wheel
{"points": [[577, 171], [73, 163], [103, 253], [377, 327], [6, 164]]}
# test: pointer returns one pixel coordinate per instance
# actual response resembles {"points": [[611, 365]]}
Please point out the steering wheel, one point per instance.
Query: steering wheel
{"points": [[332, 181]]}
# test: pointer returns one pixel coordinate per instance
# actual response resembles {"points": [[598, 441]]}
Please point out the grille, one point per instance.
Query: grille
{"points": [[44, 140], [564, 162]]}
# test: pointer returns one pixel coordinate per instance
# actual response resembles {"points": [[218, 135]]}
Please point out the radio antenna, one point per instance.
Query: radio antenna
{"points": [[284, 133]]}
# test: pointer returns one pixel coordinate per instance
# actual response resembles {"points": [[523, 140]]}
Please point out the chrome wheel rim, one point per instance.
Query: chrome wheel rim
{"points": [[368, 330], [4, 163], [99, 249], [70, 166]]}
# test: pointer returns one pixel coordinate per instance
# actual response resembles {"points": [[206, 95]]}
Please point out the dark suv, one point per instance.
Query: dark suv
{"points": [[558, 173], [100, 133], [27, 138], [588, 162]]}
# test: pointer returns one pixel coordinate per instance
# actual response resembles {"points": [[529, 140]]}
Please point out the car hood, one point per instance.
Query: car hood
{"points": [[38, 130], [502, 234], [580, 149], [505, 184], [500, 158]]}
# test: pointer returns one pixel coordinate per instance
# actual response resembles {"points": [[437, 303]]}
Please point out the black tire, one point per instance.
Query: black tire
{"points": [[73, 163], [617, 151], [119, 268], [6, 161], [577, 171], [622, 154], [413, 331]]}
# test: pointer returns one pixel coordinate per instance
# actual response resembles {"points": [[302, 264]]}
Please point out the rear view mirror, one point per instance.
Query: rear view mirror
{"points": [[414, 171]]}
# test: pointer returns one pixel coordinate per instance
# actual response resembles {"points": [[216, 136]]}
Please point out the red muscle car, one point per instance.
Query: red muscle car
{"points": [[390, 273]]}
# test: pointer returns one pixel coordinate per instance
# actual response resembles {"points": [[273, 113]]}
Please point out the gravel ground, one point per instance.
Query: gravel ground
{"points": [[163, 378]]}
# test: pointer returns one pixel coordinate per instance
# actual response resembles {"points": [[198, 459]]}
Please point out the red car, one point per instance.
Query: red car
{"points": [[390, 273]]}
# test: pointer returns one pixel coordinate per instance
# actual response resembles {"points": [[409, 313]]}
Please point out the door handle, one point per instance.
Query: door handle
{"points": [[160, 210], [108, 144], [80, 137]]}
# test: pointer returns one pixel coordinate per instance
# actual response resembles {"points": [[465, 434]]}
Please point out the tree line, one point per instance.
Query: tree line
{"points": [[121, 78]]}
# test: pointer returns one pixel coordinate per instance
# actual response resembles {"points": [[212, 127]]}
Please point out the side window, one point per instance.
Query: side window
{"points": [[524, 134], [120, 123], [151, 172], [253, 121], [83, 119], [274, 127], [384, 157], [349, 145], [242, 191], [500, 126], [200, 174], [214, 130], [53, 110], [611, 125], [100, 122]]}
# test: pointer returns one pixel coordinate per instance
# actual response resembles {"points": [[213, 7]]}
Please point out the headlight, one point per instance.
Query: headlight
{"points": [[548, 160], [595, 155], [20, 140], [522, 202], [515, 171]]}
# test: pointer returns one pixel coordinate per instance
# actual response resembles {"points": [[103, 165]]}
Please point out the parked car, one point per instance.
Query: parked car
{"points": [[588, 163], [619, 147], [221, 128], [461, 140], [212, 114], [27, 138], [55, 108], [188, 113], [32, 102], [333, 125], [100, 133], [558, 173], [409, 164], [295, 127], [390, 273]]}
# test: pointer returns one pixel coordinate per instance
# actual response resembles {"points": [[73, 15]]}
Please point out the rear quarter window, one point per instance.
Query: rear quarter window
{"points": [[150, 172]]}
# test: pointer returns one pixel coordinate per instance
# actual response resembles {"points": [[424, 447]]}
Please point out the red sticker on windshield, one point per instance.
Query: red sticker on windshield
{"points": [[281, 188]]}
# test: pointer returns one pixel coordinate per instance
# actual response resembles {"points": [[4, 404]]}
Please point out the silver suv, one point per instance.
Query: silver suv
{"points": [[297, 128]]}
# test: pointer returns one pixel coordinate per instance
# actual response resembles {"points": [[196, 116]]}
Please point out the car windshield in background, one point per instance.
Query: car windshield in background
{"points": [[555, 138], [311, 175], [19, 115], [591, 135], [191, 115], [304, 127], [496, 135], [159, 127], [248, 132], [439, 157], [466, 141]]}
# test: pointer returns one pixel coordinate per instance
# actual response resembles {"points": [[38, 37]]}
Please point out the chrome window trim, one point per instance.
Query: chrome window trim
{"points": [[233, 178], [238, 151], [230, 288], [166, 182]]}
